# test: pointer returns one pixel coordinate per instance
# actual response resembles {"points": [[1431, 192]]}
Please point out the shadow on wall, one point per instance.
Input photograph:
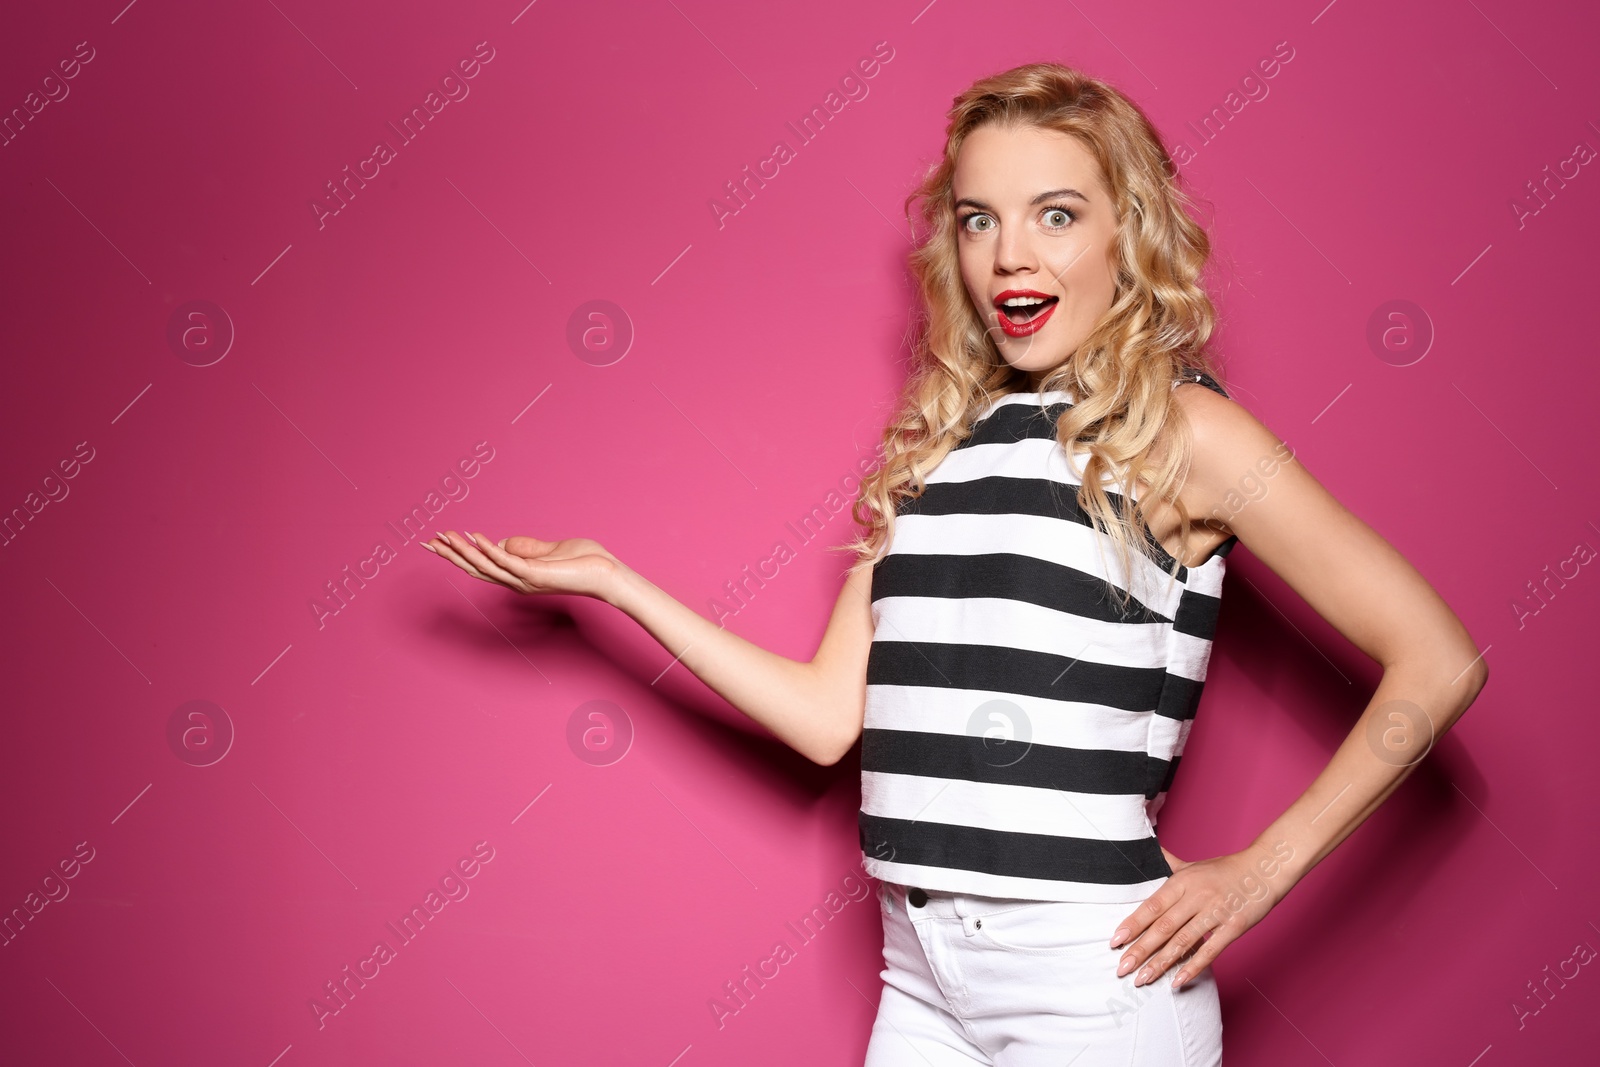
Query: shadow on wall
{"points": [[590, 642], [1373, 875]]}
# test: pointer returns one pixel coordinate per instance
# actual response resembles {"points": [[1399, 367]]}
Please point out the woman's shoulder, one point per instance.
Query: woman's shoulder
{"points": [[1200, 377], [1226, 437]]}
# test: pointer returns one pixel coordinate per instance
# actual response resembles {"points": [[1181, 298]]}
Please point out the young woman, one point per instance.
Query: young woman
{"points": [[1021, 644]]}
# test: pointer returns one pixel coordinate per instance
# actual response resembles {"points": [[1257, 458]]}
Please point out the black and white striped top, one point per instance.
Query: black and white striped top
{"points": [[1021, 729]]}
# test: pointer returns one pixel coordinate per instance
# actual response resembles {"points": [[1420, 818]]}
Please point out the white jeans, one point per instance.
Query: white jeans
{"points": [[1016, 983]]}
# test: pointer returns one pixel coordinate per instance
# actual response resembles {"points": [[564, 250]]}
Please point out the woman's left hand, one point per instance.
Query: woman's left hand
{"points": [[1202, 908]]}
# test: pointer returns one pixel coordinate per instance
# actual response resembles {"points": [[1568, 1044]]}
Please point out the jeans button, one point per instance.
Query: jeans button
{"points": [[917, 898]]}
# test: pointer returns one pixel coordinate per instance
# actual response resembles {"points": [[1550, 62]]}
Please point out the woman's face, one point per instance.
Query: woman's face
{"points": [[1034, 229]]}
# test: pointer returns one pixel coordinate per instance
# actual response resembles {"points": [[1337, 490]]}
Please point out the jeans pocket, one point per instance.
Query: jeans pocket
{"points": [[1197, 1009], [1052, 927]]}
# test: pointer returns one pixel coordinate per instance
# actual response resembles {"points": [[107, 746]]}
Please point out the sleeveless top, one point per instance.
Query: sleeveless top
{"points": [[1022, 728]]}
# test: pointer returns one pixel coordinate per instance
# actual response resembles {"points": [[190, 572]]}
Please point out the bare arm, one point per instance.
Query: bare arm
{"points": [[814, 707], [1366, 590]]}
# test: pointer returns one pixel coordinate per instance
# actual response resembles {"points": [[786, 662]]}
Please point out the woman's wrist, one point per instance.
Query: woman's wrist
{"points": [[1277, 864], [622, 587]]}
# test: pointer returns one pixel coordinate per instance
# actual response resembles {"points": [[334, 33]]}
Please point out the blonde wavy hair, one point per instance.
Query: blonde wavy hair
{"points": [[1121, 376]]}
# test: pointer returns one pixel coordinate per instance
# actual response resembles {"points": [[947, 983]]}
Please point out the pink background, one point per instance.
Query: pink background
{"points": [[376, 747]]}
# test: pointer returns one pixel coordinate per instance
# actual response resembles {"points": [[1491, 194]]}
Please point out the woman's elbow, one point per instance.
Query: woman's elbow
{"points": [[1478, 677], [1464, 685], [840, 746]]}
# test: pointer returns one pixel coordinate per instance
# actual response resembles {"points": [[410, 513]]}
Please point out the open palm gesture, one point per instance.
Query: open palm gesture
{"points": [[528, 565]]}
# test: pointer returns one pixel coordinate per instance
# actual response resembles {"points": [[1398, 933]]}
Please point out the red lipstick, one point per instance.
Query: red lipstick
{"points": [[1040, 312]]}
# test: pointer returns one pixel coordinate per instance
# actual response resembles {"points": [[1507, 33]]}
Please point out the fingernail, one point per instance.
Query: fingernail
{"points": [[1119, 937], [473, 541], [1125, 966], [429, 547], [1143, 977], [1177, 983]]}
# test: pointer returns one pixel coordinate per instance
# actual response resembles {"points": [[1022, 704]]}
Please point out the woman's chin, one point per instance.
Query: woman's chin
{"points": [[1031, 364]]}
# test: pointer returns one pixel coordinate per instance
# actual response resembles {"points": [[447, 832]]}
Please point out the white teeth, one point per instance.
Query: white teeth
{"points": [[1023, 301]]}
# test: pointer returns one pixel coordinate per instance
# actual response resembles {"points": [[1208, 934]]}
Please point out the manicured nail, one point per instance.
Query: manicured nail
{"points": [[1119, 937], [1177, 983], [1125, 966], [1143, 977], [473, 541], [429, 547]]}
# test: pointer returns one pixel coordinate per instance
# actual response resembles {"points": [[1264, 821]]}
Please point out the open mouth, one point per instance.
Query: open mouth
{"points": [[1027, 308], [1023, 312]]}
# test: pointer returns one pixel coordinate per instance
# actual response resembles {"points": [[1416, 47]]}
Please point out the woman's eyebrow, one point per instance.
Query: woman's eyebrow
{"points": [[1053, 194]]}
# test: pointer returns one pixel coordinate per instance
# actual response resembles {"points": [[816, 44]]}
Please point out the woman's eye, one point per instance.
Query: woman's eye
{"points": [[1056, 218], [972, 223]]}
